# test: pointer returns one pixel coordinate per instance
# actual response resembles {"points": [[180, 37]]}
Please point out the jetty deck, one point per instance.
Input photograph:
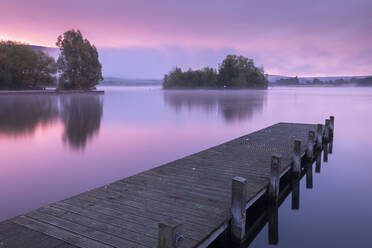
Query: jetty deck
{"points": [[194, 191]]}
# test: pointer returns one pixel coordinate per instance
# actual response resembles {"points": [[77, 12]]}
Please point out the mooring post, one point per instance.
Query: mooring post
{"points": [[274, 178], [309, 176], [170, 234], [310, 145], [273, 225], [331, 125], [325, 152], [238, 203], [319, 137], [295, 194], [330, 145], [296, 163], [326, 131], [318, 162]]}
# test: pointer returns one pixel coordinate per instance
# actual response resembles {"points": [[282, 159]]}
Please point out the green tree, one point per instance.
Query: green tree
{"points": [[78, 62], [241, 72], [234, 72], [21, 67]]}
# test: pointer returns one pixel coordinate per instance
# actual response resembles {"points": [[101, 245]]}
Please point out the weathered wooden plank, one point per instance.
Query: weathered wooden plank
{"points": [[88, 232], [10, 234], [66, 235]]}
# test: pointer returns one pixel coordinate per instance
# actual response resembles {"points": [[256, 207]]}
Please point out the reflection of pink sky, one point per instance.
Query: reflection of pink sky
{"points": [[290, 37]]}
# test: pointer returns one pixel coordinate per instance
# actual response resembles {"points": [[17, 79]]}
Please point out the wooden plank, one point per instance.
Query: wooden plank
{"points": [[88, 232], [66, 235], [30, 238]]}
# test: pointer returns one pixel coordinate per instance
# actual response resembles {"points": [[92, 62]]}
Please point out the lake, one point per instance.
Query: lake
{"points": [[53, 147]]}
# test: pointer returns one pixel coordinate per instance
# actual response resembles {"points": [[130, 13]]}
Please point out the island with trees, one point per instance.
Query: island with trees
{"points": [[77, 68], [235, 72]]}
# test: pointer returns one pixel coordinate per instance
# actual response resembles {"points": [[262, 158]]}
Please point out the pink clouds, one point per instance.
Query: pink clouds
{"points": [[319, 37]]}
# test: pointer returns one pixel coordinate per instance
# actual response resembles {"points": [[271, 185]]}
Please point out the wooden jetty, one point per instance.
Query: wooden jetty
{"points": [[189, 202]]}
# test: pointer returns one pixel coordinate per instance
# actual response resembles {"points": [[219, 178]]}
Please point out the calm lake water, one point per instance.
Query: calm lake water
{"points": [[53, 147]]}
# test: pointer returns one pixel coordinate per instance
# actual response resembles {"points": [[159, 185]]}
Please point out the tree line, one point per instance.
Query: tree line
{"points": [[367, 81], [234, 72], [77, 67]]}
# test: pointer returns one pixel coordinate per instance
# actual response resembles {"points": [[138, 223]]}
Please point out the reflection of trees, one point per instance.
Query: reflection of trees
{"points": [[81, 115], [20, 115], [231, 105]]}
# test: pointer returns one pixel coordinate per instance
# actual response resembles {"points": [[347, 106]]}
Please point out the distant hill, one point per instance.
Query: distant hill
{"points": [[51, 51], [113, 81]]}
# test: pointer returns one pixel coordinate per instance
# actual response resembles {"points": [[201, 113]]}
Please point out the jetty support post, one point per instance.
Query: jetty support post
{"points": [[296, 163], [319, 137], [331, 125], [326, 131], [273, 225], [238, 212], [295, 183], [309, 176], [274, 179], [325, 152], [310, 145], [170, 234]]}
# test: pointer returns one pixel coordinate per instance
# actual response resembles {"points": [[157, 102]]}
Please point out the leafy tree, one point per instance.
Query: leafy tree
{"points": [[234, 72], [241, 72], [21, 67], [207, 77], [78, 62]]}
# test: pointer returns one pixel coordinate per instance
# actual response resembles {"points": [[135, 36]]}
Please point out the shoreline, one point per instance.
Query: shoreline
{"points": [[42, 92]]}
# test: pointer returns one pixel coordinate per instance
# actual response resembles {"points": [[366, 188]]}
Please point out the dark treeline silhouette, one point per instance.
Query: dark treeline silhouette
{"points": [[234, 72], [80, 113], [288, 81], [367, 81], [23, 68], [231, 105]]}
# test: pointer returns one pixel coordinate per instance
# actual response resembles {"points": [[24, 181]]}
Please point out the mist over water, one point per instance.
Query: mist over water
{"points": [[53, 147]]}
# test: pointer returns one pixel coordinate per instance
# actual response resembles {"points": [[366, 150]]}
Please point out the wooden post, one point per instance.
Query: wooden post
{"points": [[273, 225], [310, 145], [319, 137], [326, 131], [274, 178], [309, 176], [295, 193], [318, 162], [169, 235], [296, 163], [238, 203], [325, 153], [331, 125]]}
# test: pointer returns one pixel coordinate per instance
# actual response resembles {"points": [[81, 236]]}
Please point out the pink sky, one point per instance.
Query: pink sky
{"points": [[288, 37]]}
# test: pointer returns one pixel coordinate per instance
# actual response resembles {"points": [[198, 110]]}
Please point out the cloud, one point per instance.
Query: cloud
{"points": [[289, 36]]}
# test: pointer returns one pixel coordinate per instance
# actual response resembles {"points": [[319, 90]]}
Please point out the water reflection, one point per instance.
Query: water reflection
{"points": [[231, 105], [20, 115], [81, 115]]}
